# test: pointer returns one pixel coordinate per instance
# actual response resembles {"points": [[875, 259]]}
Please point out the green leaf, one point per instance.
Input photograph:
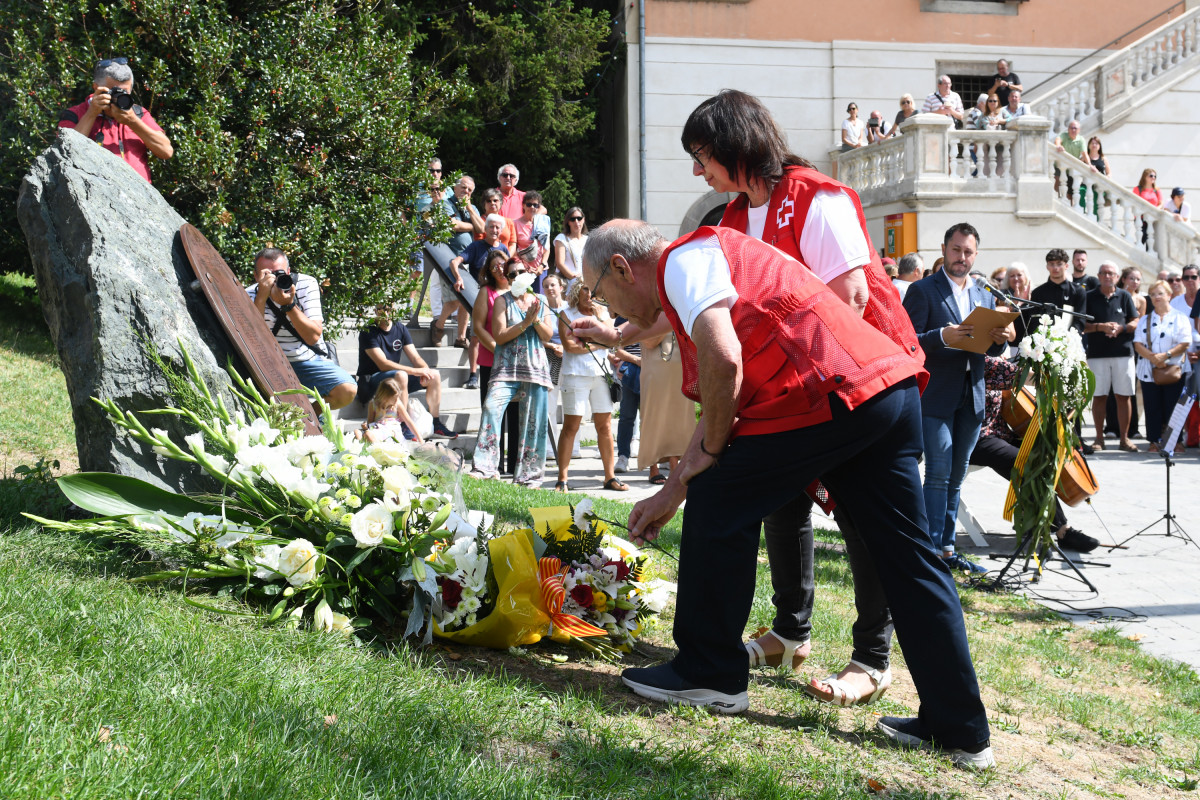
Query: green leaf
{"points": [[358, 559], [277, 611], [120, 495]]}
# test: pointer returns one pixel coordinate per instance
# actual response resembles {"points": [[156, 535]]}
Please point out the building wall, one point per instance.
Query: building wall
{"points": [[1039, 24], [806, 85]]}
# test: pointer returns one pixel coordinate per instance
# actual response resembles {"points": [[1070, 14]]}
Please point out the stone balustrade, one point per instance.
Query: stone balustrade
{"points": [[1102, 94], [931, 164]]}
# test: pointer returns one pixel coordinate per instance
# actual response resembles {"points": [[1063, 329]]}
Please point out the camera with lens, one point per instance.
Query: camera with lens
{"points": [[873, 122], [284, 279], [121, 98]]}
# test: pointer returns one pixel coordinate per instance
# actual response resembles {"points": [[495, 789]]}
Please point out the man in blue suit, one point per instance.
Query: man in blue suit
{"points": [[952, 405]]}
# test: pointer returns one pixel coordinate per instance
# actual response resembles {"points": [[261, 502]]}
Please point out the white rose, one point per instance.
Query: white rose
{"points": [[399, 481], [298, 562], [370, 525]]}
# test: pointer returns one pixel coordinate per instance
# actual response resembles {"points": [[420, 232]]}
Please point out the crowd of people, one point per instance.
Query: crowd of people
{"points": [[823, 376]]}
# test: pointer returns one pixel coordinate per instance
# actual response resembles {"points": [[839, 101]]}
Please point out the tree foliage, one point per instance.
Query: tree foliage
{"points": [[302, 124]]}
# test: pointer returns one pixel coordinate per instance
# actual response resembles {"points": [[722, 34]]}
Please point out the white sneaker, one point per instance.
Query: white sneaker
{"points": [[622, 464]]}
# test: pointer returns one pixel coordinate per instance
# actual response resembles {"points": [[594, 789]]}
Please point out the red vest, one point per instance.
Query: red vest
{"points": [[800, 341], [790, 201]]}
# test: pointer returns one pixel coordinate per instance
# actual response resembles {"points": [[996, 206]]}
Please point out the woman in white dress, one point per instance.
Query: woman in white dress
{"points": [[853, 133], [568, 245]]}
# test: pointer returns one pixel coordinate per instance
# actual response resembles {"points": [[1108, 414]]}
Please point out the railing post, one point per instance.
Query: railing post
{"points": [[1031, 167], [926, 156]]}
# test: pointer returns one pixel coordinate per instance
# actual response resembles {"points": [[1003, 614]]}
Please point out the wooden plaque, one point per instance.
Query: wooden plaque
{"points": [[244, 325]]}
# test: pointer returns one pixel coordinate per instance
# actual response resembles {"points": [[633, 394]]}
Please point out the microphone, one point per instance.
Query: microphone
{"points": [[997, 293]]}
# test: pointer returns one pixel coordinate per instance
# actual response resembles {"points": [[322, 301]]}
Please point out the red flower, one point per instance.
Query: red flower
{"points": [[451, 593], [622, 569], [582, 594]]}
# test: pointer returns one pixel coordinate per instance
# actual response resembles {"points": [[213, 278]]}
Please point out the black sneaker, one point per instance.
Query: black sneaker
{"points": [[956, 561], [907, 732], [472, 382], [1077, 540], [1087, 448], [408, 434], [662, 683], [441, 431]]}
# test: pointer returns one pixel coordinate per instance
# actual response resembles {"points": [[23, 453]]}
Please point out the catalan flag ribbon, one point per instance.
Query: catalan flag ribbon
{"points": [[550, 578]]}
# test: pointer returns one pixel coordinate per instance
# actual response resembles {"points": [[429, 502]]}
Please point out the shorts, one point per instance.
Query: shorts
{"points": [[580, 391], [414, 383], [322, 375], [1113, 374]]}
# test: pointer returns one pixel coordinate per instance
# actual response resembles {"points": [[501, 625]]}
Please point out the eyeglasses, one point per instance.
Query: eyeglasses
{"points": [[1174, 280], [534, 204], [595, 290], [108, 62], [993, 100], [1152, 175], [695, 154], [508, 175], [574, 219]]}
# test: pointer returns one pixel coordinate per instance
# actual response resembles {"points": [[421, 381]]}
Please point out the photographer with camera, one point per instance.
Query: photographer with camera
{"points": [[291, 306], [111, 118]]}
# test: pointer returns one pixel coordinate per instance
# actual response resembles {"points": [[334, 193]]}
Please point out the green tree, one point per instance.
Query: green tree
{"points": [[532, 67], [303, 124]]}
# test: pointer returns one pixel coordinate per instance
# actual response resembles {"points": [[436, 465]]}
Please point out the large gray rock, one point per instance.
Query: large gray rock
{"points": [[111, 270]]}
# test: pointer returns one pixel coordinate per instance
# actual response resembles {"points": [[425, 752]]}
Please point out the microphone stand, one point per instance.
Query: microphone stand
{"points": [[1048, 308]]}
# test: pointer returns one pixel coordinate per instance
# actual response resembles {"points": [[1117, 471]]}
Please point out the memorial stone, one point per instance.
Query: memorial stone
{"points": [[111, 273]]}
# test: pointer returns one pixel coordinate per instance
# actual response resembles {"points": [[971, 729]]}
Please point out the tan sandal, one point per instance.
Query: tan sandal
{"points": [[841, 694], [760, 658]]}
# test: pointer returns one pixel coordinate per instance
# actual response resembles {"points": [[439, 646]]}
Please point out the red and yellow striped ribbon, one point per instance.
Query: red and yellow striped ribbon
{"points": [[554, 594], [1031, 433]]}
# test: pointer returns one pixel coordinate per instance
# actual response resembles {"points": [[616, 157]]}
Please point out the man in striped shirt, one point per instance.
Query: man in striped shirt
{"points": [[294, 317]]}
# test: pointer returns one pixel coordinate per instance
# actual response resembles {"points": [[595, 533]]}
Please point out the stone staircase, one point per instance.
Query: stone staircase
{"points": [[1110, 90], [460, 409]]}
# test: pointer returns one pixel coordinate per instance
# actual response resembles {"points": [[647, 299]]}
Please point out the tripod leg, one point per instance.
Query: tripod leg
{"points": [[1012, 559], [1072, 565]]}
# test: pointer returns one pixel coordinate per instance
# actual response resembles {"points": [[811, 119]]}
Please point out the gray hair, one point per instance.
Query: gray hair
{"points": [[121, 73], [1171, 273], [1112, 264], [513, 167], [464, 178], [499, 218], [908, 264], [637, 241], [271, 254], [1015, 266]]}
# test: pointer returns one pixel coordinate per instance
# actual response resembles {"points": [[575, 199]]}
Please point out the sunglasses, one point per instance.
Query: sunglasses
{"points": [[108, 62], [906, 102], [574, 219], [508, 175], [1191, 278], [512, 276], [1174, 280], [1152, 175], [531, 205]]}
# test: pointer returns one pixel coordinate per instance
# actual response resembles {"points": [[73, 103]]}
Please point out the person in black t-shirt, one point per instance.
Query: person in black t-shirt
{"points": [[1004, 82], [379, 350], [1110, 352], [1079, 275], [1058, 291]]}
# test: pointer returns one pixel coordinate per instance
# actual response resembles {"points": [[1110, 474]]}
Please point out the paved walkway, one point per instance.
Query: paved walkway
{"points": [[1152, 586]]}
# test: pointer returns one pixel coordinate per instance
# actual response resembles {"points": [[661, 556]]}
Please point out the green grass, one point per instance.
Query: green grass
{"points": [[36, 419], [109, 689]]}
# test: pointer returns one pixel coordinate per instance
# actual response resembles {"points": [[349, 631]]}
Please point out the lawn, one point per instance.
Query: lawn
{"points": [[117, 690]]}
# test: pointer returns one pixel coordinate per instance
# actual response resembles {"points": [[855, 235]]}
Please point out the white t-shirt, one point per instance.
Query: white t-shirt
{"points": [[831, 242], [308, 297], [1184, 210], [574, 252], [696, 278], [581, 363], [1180, 304], [853, 131]]}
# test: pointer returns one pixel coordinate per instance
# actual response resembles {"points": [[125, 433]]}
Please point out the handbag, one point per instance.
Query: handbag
{"points": [[1166, 375]]}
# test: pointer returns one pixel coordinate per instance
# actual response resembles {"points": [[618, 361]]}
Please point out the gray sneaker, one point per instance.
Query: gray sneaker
{"points": [[622, 464], [472, 382]]}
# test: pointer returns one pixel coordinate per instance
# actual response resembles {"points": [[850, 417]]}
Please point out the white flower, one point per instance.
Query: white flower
{"points": [[370, 525], [233, 534], [261, 431], [310, 488], [520, 285], [267, 563], [469, 605], [469, 527], [159, 434], [390, 452], [582, 512], [309, 450], [656, 595], [398, 480], [326, 620], [298, 562], [195, 442], [283, 475]]}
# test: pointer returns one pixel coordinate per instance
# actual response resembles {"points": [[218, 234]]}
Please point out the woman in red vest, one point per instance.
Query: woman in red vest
{"points": [[737, 146]]}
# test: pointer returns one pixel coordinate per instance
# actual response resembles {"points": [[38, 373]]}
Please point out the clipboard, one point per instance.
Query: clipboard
{"points": [[984, 319]]}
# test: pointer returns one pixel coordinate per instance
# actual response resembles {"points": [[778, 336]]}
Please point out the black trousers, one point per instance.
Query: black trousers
{"points": [[870, 455]]}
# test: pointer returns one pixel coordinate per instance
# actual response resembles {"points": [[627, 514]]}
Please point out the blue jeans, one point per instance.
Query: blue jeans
{"points": [[631, 398], [948, 445], [868, 454]]}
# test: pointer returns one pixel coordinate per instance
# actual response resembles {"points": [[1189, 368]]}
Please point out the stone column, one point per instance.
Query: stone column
{"points": [[1031, 167], [926, 153]]}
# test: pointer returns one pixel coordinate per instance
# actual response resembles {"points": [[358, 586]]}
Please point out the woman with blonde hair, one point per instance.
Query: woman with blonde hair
{"points": [[583, 384], [907, 108], [1017, 284]]}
